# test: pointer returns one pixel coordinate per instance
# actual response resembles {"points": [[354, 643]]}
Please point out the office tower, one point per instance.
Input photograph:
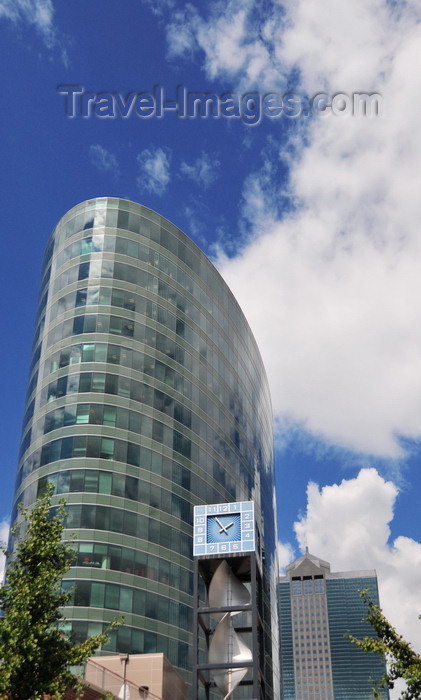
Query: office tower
{"points": [[146, 396], [316, 609]]}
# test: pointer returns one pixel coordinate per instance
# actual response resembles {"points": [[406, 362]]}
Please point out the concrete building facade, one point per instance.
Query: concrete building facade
{"points": [[135, 677]]}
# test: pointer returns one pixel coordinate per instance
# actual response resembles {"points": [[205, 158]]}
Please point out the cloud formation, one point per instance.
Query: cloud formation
{"points": [[233, 39], [347, 524], [203, 171], [159, 7], [38, 13], [154, 164], [330, 284], [103, 160]]}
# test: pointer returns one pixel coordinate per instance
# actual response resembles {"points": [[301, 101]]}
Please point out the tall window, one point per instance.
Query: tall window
{"points": [[296, 587], [308, 586]]}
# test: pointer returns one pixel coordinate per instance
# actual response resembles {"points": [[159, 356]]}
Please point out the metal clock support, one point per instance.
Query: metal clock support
{"points": [[227, 556]]}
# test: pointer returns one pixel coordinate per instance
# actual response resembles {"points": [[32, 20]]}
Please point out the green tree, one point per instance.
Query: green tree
{"points": [[402, 661], [35, 654]]}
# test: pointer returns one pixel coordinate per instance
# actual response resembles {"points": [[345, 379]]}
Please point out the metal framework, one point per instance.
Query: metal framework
{"points": [[245, 568]]}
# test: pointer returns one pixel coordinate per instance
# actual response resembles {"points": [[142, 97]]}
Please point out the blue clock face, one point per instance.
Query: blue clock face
{"points": [[223, 528]]}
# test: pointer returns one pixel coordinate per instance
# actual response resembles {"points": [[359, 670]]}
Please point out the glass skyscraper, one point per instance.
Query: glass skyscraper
{"points": [[146, 396], [317, 608]]}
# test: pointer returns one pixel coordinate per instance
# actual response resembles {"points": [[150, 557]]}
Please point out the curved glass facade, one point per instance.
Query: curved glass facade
{"points": [[146, 396]]}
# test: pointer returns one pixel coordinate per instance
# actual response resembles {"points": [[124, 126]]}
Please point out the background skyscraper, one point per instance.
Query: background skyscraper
{"points": [[146, 396], [317, 608]]}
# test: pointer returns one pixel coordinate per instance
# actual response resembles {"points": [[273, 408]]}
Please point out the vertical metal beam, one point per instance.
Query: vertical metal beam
{"points": [[200, 675], [195, 651], [255, 627]]}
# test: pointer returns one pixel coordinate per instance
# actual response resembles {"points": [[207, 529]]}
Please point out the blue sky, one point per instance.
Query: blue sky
{"points": [[312, 219]]}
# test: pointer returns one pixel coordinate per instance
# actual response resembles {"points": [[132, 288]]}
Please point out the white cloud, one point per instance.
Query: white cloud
{"points": [[331, 287], [347, 524], [329, 278], [349, 518], [39, 13], [159, 7], [335, 315], [103, 159], [155, 169], [228, 39], [285, 555], [194, 223], [203, 171], [181, 32], [4, 535]]}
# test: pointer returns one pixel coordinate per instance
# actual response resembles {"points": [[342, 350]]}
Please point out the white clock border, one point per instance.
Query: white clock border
{"points": [[247, 543]]}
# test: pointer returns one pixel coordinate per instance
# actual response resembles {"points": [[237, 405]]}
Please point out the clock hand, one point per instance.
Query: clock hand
{"points": [[223, 528]]}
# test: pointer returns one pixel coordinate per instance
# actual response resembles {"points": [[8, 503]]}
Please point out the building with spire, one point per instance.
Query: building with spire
{"points": [[317, 608]]}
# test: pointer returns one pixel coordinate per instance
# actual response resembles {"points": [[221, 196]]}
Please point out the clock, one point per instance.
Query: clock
{"points": [[221, 528]]}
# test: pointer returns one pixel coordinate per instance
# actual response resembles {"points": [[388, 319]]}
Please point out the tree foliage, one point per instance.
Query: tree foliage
{"points": [[402, 661], [35, 653]]}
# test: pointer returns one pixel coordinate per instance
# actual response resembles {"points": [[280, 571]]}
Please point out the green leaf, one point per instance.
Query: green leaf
{"points": [[402, 661], [35, 654]]}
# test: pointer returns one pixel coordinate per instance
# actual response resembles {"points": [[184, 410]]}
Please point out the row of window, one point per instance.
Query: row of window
{"points": [[118, 385], [158, 464], [160, 342], [115, 325], [305, 664], [93, 447], [94, 517], [146, 364], [129, 640], [109, 296], [98, 268], [133, 561], [308, 673], [93, 323], [122, 356], [120, 326], [114, 384], [206, 272], [113, 416], [308, 586], [112, 596], [125, 221], [136, 223], [93, 414], [245, 367], [308, 604], [122, 485]]}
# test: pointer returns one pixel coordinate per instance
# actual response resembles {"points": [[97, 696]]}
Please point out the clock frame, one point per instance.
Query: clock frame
{"points": [[223, 528]]}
